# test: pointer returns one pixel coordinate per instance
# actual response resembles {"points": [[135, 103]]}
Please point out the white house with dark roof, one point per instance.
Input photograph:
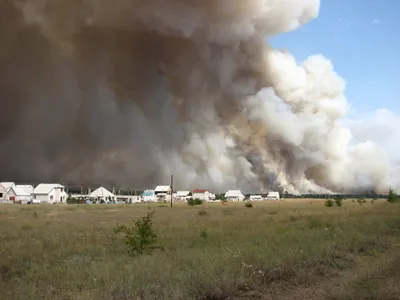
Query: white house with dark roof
{"points": [[50, 193]]}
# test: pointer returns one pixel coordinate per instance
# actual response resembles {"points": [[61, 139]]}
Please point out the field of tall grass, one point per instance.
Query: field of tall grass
{"points": [[294, 249]]}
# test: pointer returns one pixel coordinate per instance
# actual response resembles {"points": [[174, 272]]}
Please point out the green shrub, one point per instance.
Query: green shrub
{"points": [[248, 204], [361, 201], [329, 203], [392, 197], [193, 202], [339, 201], [141, 238]]}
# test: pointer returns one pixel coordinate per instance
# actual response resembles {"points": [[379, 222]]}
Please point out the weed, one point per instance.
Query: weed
{"points": [[204, 235], [194, 202], [329, 203], [339, 201], [248, 204], [202, 212], [35, 214], [140, 238]]}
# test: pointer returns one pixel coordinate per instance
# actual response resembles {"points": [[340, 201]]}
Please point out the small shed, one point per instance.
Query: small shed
{"points": [[273, 196]]}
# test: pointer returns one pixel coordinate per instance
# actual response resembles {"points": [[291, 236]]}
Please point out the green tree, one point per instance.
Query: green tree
{"points": [[392, 197]]}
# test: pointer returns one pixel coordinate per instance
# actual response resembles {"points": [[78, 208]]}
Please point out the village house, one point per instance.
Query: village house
{"points": [[203, 194], [102, 194], [20, 194], [149, 196], [7, 185], [163, 192], [50, 193], [234, 195], [183, 195], [273, 196], [3, 194]]}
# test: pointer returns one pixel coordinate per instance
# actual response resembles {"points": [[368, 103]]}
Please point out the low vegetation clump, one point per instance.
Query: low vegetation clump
{"points": [[339, 201], [248, 204], [329, 203], [194, 202], [276, 250], [392, 197], [141, 238]]}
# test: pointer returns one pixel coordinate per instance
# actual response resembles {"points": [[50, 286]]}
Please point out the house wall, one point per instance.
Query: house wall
{"points": [[3, 194], [202, 196], [43, 198]]}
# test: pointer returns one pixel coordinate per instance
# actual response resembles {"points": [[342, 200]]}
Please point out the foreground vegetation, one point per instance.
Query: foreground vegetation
{"points": [[295, 249]]}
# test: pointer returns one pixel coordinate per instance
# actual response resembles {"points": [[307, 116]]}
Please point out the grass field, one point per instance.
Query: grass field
{"points": [[294, 249]]}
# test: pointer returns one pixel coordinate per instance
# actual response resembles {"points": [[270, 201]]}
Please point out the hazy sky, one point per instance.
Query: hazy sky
{"points": [[361, 38]]}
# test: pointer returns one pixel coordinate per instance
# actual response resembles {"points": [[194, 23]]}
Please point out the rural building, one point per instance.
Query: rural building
{"points": [[273, 196], [163, 192], [20, 194], [7, 185], [102, 194], [149, 196], [3, 194], [234, 195], [183, 195], [203, 194], [50, 193], [255, 198]]}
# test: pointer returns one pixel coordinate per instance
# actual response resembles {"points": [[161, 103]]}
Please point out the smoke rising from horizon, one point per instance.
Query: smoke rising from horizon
{"points": [[128, 92]]}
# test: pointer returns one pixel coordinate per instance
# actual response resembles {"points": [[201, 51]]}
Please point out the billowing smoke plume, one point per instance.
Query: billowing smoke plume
{"points": [[129, 91]]}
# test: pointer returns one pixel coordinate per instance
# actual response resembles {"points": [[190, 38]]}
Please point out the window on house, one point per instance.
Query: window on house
{"points": [[1, 195], [51, 197]]}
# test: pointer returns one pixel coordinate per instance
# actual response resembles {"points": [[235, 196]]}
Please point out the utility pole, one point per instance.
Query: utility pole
{"points": [[172, 187]]}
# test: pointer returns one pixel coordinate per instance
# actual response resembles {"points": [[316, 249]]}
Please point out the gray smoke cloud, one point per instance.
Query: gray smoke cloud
{"points": [[128, 92]]}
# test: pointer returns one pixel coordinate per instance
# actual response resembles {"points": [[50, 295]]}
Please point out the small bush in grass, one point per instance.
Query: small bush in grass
{"points": [[248, 204], [141, 238], [194, 202], [392, 197], [339, 201], [202, 212], [204, 235], [360, 201], [329, 203]]}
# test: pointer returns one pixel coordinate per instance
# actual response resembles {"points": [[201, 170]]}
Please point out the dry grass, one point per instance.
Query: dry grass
{"points": [[295, 249]]}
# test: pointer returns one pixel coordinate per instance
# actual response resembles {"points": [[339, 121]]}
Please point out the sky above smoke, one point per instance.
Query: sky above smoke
{"points": [[127, 92]]}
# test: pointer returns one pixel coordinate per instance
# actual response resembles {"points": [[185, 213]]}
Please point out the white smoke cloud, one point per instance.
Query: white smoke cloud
{"points": [[130, 92]]}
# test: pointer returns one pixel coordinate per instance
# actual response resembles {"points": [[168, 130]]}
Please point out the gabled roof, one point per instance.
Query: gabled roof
{"points": [[182, 193], [7, 185], [18, 191], [2, 187], [234, 193], [199, 191], [28, 188], [45, 188], [162, 188], [101, 192]]}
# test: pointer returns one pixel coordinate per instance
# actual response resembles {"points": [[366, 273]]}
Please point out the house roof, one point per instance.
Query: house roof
{"points": [[234, 193], [162, 188], [28, 188], [7, 185], [182, 193], [199, 191], [101, 192], [148, 193], [18, 191], [45, 188], [273, 194], [2, 187]]}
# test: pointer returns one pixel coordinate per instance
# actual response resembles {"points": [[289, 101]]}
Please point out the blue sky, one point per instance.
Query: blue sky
{"points": [[361, 38]]}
